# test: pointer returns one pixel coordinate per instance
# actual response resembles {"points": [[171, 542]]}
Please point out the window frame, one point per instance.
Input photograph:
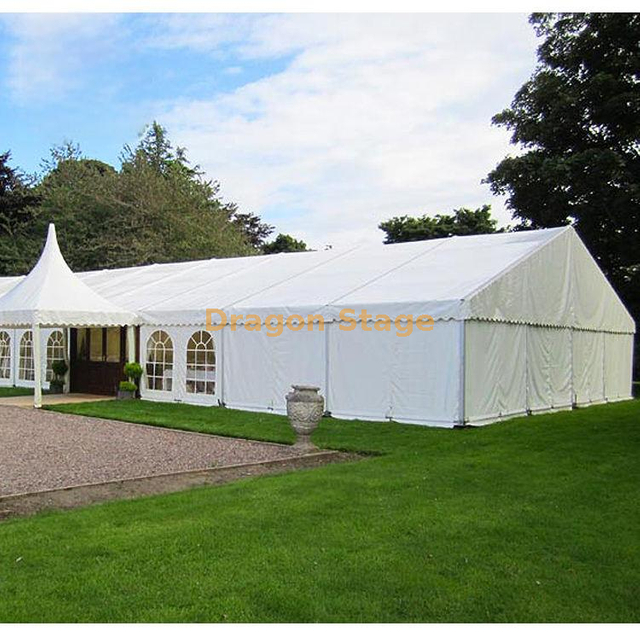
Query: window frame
{"points": [[61, 354], [158, 343], [201, 343], [25, 354], [5, 355]]}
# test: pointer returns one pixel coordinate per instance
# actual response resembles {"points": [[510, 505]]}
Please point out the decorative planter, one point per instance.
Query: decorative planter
{"points": [[304, 410], [56, 387], [126, 395]]}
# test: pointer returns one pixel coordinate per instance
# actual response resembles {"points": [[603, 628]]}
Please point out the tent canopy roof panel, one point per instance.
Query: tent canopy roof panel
{"points": [[52, 295], [543, 277]]}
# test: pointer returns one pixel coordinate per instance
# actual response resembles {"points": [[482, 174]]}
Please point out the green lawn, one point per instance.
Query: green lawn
{"points": [[243, 424], [10, 392], [535, 519]]}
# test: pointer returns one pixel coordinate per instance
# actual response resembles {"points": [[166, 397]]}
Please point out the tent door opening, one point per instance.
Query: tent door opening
{"points": [[97, 357]]}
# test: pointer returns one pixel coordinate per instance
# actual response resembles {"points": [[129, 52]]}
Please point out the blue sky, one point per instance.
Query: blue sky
{"points": [[323, 124]]}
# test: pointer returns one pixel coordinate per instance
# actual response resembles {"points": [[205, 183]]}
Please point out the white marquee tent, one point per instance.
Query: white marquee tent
{"points": [[523, 322]]}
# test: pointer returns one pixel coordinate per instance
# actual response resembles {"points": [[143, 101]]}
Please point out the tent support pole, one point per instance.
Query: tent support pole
{"points": [[37, 366], [131, 343], [463, 350], [67, 353], [327, 361], [220, 368]]}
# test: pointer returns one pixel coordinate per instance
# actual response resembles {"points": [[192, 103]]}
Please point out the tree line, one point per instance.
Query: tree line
{"points": [[156, 207]]}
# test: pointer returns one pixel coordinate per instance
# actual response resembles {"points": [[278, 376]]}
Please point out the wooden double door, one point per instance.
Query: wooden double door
{"points": [[97, 357]]}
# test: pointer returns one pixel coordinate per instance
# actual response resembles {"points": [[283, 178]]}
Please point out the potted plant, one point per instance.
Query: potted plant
{"points": [[59, 368], [129, 387], [127, 390]]}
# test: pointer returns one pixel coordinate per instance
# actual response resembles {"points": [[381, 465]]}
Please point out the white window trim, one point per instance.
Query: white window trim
{"points": [[158, 394], [61, 355], [202, 396]]}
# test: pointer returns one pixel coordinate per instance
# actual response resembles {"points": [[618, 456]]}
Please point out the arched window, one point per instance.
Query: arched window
{"points": [[201, 364], [5, 355], [55, 351], [159, 361], [25, 363]]}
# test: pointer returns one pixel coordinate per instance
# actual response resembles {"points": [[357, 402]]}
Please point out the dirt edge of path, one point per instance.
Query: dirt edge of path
{"points": [[26, 504]]}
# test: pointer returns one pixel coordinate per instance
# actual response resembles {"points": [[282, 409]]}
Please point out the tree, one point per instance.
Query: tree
{"points": [[252, 227], [17, 199], [77, 194], [577, 122], [284, 243], [463, 222], [155, 208], [68, 150], [156, 151], [173, 211]]}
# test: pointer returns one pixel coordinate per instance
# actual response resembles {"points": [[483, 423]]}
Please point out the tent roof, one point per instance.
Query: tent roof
{"points": [[508, 276], [431, 276], [52, 295]]}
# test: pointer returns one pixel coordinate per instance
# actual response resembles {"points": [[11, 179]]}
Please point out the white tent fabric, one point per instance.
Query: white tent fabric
{"points": [[618, 365], [549, 367], [380, 375], [52, 295], [588, 367], [430, 277], [513, 369], [10, 357], [524, 322], [495, 370], [544, 277], [559, 284]]}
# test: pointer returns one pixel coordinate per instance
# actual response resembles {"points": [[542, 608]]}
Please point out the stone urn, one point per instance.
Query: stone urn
{"points": [[305, 407]]}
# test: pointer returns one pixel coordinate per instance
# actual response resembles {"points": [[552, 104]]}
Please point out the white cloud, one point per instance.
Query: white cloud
{"points": [[374, 116], [50, 52]]}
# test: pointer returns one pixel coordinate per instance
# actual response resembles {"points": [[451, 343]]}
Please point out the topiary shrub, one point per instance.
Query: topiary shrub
{"points": [[59, 368], [133, 371], [127, 385]]}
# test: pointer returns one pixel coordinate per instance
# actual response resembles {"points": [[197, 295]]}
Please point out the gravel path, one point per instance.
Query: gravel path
{"points": [[42, 450]]}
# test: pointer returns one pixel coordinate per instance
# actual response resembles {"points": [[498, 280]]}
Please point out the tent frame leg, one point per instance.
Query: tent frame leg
{"points": [[463, 348], [37, 366], [131, 343]]}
